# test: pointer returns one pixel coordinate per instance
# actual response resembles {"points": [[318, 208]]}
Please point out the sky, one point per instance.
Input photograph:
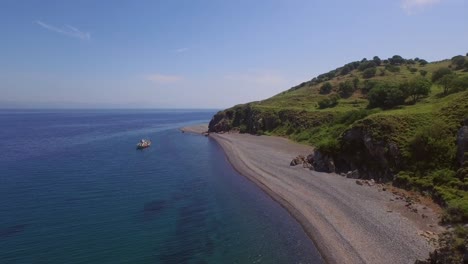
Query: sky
{"points": [[204, 53]]}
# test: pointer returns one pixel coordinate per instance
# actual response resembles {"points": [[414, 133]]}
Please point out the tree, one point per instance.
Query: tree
{"points": [[377, 60], [345, 70], [439, 73], [396, 60], [386, 96], [326, 88], [368, 85], [423, 62], [458, 61], [458, 84], [369, 73], [346, 89], [417, 88], [366, 65], [446, 81]]}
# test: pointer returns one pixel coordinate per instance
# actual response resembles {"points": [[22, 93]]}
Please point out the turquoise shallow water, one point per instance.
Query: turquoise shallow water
{"points": [[73, 189]]}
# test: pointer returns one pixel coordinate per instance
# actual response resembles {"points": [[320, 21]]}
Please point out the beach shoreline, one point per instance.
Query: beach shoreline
{"points": [[346, 222]]}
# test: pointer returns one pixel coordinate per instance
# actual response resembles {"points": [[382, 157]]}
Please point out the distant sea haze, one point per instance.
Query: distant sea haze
{"points": [[75, 189]]}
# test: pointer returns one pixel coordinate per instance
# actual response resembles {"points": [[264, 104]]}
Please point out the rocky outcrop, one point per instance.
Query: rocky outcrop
{"points": [[462, 142], [297, 160], [323, 162], [374, 157], [219, 123], [305, 161]]}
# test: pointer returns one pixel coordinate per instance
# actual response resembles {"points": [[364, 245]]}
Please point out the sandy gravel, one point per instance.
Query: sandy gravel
{"points": [[347, 222], [197, 129]]}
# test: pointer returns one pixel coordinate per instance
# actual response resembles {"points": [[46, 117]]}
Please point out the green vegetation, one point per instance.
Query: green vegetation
{"points": [[407, 110], [326, 88]]}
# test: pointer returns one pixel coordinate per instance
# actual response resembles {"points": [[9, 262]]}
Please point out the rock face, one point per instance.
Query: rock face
{"points": [[363, 151], [462, 142], [219, 123], [322, 162]]}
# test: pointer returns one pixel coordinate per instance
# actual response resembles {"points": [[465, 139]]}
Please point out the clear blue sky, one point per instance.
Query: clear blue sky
{"points": [[205, 54]]}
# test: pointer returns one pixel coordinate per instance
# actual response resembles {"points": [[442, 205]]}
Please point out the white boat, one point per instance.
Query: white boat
{"points": [[143, 144]]}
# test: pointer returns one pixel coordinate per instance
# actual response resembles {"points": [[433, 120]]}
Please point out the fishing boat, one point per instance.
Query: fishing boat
{"points": [[143, 144]]}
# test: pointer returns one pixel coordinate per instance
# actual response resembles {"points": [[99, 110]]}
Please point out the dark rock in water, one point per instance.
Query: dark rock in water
{"points": [[462, 142], [12, 230]]}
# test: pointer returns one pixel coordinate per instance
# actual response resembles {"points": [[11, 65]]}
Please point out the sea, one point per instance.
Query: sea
{"points": [[74, 189]]}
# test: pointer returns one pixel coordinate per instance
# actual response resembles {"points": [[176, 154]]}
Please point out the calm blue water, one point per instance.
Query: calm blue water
{"points": [[73, 189]]}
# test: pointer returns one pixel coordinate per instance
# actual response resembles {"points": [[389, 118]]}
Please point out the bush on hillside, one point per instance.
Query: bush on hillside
{"points": [[328, 102], [423, 62], [417, 88], [396, 60], [423, 73], [392, 68], [366, 65], [356, 83], [346, 89], [386, 96], [367, 86], [458, 62], [461, 83], [377, 60], [439, 73], [326, 88], [369, 73], [433, 147]]}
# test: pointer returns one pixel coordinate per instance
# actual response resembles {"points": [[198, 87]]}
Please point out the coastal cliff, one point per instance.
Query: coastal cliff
{"points": [[404, 123]]}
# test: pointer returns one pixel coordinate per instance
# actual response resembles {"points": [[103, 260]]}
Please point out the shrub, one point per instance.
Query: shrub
{"points": [[366, 65], [396, 60], [377, 60], [242, 129], [458, 84], [346, 89], [386, 96], [367, 86], [326, 88], [369, 73], [433, 147], [458, 62], [356, 83], [417, 88], [423, 62], [423, 73], [412, 70], [439, 73], [351, 116], [392, 68], [328, 102], [328, 146]]}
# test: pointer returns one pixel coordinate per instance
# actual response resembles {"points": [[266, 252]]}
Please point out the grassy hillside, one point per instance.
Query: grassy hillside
{"points": [[393, 120]]}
